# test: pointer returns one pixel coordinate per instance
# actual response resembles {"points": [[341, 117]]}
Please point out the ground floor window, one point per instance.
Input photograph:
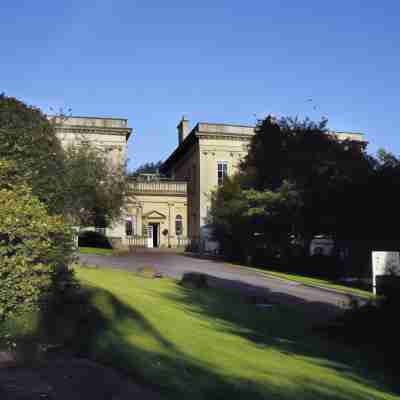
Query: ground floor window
{"points": [[129, 227], [178, 225]]}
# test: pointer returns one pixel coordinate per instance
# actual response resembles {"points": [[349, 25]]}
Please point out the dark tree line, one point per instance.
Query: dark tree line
{"points": [[147, 168], [299, 180]]}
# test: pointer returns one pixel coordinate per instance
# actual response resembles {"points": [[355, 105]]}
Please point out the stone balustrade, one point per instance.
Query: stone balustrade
{"points": [[159, 187]]}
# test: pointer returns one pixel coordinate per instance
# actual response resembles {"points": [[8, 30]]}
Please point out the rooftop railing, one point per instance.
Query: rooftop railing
{"points": [[159, 187]]}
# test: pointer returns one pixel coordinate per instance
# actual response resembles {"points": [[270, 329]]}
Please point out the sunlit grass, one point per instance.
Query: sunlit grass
{"points": [[95, 250], [212, 344]]}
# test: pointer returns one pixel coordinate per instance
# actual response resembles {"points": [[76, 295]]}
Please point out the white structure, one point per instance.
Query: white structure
{"points": [[384, 263]]}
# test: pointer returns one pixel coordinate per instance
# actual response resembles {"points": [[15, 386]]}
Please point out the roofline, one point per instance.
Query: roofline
{"points": [[222, 124], [351, 132], [86, 117], [192, 134]]}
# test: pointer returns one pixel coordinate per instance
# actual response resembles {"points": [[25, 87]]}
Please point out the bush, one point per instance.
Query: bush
{"points": [[194, 279], [93, 239], [35, 250], [372, 326]]}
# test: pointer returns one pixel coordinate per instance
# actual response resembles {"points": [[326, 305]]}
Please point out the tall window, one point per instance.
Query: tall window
{"points": [[129, 227], [178, 225], [222, 171]]}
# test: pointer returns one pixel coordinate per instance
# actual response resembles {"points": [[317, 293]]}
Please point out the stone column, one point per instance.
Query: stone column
{"points": [[169, 224], [139, 219]]}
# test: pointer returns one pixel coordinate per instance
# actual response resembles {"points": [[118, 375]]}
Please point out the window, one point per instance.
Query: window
{"points": [[128, 227], [222, 171], [178, 225]]}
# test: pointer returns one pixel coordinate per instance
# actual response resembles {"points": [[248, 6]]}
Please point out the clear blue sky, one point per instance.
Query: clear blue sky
{"points": [[212, 60]]}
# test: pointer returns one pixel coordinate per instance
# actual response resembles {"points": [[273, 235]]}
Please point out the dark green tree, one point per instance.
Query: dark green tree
{"points": [[146, 168], [292, 185], [80, 182], [27, 137], [305, 154]]}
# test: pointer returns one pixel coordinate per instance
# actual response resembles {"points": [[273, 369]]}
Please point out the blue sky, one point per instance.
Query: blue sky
{"points": [[216, 61]]}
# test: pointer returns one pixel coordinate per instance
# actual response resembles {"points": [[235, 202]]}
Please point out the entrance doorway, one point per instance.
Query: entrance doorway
{"points": [[154, 235]]}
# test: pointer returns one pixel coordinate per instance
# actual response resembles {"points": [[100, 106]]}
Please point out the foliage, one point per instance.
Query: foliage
{"points": [[290, 187], [35, 248], [27, 137], [95, 187], [147, 168], [315, 161], [79, 182], [370, 324], [244, 218], [303, 152], [93, 239]]}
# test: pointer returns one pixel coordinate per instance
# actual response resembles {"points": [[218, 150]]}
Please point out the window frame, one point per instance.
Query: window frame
{"points": [[224, 171], [129, 223], [179, 222]]}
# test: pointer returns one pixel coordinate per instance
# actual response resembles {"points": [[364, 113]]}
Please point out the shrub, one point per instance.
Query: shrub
{"points": [[194, 279], [371, 325], [35, 250], [93, 239]]}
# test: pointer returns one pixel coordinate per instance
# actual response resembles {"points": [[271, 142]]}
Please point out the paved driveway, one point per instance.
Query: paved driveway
{"points": [[318, 303]]}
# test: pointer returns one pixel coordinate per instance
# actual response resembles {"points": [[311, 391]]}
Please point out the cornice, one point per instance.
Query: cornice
{"points": [[94, 130], [219, 136]]}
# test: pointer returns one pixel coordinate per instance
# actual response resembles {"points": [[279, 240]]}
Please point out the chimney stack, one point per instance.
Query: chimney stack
{"points": [[183, 129]]}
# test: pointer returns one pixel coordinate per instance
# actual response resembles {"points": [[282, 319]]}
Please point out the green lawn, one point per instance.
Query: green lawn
{"points": [[211, 344], [325, 283], [95, 250]]}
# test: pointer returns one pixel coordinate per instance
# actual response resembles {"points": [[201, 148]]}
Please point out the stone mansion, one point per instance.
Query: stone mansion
{"points": [[166, 212]]}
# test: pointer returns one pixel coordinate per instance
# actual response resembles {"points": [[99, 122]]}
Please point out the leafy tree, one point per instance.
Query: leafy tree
{"points": [[246, 219], [79, 182], [316, 162], [28, 138], [95, 188], [371, 211], [35, 248], [290, 185]]}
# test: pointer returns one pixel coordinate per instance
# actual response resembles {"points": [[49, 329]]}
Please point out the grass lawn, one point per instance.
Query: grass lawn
{"points": [[95, 250], [211, 344], [311, 281]]}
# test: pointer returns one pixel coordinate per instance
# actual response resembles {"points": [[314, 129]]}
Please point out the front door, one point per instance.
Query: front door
{"points": [[155, 235], [153, 239]]}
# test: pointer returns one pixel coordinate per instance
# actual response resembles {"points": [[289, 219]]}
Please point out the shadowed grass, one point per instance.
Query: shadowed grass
{"points": [[199, 344]]}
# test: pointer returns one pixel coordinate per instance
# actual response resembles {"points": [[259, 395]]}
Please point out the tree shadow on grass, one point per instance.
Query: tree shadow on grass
{"points": [[176, 374], [289, 324], [96, 324]]}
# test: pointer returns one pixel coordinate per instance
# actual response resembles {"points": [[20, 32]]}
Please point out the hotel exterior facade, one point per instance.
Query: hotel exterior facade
{"points": [[169, 209]]}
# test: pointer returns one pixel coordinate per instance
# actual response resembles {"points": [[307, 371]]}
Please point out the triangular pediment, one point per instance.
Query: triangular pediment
{"points": [[154, 215]]}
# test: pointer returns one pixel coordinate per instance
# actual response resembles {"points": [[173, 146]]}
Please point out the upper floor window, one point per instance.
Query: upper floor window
{"points": [[222, 171], [178, 225]]}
